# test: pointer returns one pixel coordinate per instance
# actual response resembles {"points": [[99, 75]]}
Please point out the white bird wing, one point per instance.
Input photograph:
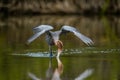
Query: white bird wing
{"points": [[85, 74], [39, 31], [42, 27], [84, 38], [32, 76]]}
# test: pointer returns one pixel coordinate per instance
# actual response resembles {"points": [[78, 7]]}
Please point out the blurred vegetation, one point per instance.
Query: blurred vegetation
{"points": [[60, 6]]}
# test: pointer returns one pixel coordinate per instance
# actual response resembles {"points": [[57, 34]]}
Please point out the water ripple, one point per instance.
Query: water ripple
{"points": [[67, 52]]}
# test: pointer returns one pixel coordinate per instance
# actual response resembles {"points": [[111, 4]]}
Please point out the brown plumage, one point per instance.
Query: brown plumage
{"points": [[59, 44]]}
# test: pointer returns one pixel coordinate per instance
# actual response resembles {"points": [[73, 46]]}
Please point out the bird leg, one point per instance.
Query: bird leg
{"points": [[50, 50]]}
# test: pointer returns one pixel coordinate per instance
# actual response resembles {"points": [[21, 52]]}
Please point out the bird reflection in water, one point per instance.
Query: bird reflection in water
{"points": [[51, 74], [85, 74], [52, 38], [55, 74]]}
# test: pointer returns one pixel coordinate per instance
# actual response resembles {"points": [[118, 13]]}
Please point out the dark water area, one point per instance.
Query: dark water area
{"points": [[78, 61]]}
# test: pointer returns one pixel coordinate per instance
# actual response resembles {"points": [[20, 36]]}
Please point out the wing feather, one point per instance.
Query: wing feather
{"points": [[84, 38], [39, 31], [42, 27]]}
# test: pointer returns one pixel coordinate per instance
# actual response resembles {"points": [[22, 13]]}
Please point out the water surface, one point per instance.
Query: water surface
{"points": [[78, 61]]}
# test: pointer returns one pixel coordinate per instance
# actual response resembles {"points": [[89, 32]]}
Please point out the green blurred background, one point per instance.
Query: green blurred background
{"points": [[97, 19]]}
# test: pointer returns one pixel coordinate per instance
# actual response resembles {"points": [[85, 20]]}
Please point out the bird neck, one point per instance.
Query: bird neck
{"points": [[60, 66], [59, 44]]}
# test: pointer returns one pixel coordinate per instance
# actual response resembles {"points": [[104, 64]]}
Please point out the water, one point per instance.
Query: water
{"points": [[78, 61]]}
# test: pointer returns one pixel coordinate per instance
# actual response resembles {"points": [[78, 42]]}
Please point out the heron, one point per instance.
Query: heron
{"points": [[52, 37]]}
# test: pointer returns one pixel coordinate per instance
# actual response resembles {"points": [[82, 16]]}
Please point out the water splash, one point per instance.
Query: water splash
{"points": [[34, 54], [89, 50]]}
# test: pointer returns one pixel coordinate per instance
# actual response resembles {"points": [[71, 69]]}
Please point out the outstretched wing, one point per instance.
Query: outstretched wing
{"points": [[39, 31], [84, 38]]}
